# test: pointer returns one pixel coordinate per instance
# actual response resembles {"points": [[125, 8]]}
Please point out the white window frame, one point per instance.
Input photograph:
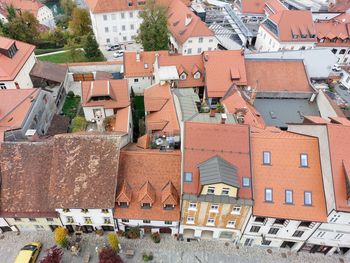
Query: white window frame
{"points": [[211, 222], [224, 190], [211, 188], [236, 210], [192, 206], [190, 220], [231, 224], [214, 208]]}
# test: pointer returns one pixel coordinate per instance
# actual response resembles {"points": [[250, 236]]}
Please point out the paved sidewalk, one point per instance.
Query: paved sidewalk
{"points": [[167, 251]]}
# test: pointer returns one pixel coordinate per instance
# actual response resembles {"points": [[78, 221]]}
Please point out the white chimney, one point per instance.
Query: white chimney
{"points": [[188, 19], [138, 56], [32, 135], [223, 118]]}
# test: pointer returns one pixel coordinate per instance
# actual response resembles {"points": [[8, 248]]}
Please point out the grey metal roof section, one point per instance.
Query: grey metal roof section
{"points": [[217, 170], [279, 112], [188, 100], [205, 117], [283, 95], [217, 199], [237, 21], [318, 62]]}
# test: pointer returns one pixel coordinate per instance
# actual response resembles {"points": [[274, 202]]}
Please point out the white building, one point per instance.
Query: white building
{"points": [[16, 62], [189, 34], [286, 30], [115, 22], [332, 236]]}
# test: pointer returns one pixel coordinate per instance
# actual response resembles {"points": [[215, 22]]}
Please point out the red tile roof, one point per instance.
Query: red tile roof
{"points": [[218, 67], [117, 90], [107, 6], [31, 6], [252, 6], [293, 21], [278, 77], [162, 113], [286, 174], [121, 120], [178, 13], [138, 167], [10, 67], [339, 6], [124, 193], [188, 64], [206, 140], [274, 6]]}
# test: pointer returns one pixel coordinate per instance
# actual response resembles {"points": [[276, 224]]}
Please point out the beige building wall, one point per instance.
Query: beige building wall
{"points": [[33, 224]]}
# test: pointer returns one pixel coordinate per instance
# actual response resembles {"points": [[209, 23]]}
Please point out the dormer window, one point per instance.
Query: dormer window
{"points": [[145, 66], [303, 36], [211, 190], [294, 36], [197, 75], [123, 204], [12, 50], [169, 207], [183, 76], [129, 3], [303, 160], [146, 205]]}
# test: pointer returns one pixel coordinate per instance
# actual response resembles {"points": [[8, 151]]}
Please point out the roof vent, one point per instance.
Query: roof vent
{"points": [[31, 135], [138, 56]]}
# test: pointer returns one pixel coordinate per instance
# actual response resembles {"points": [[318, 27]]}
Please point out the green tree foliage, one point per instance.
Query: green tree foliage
{"points": [[80, 25], [91, 48], [153, 32], [67, 7]]}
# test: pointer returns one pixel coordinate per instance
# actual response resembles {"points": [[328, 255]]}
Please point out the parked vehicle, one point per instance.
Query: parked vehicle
{"points": [[114, 47], [29, 253], [336, 67], [118, 54]]}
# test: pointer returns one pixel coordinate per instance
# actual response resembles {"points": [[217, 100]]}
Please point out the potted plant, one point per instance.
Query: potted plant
{"points": [[147, 257], [99, 232], [156, 237]]}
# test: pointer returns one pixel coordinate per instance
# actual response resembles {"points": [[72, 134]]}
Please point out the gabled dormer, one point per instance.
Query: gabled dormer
{"points": [[182, 73], [147, 195], [218, 177], [100, 90], [170, 197], [195, 72], [124, 197], [8, 48]]}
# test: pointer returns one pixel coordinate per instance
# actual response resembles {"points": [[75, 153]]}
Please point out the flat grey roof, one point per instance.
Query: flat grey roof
{"points": [[188, 100]]}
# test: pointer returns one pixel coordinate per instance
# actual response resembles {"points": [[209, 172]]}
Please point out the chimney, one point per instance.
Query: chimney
{"points": [[188, 19], [212, 112], [223, 118], [206, 57], [242, 50], [138, 56], [32, 135]]}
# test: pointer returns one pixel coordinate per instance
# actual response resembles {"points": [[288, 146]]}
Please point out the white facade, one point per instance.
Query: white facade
{"points": [[90, 112], [88, 217], [45, 17], [345, 79], [201, 232], [22, 79], [342, 54], [155, 225], [272, 233], [194, 45], [116, 27], [265, 42], [139, 84]]}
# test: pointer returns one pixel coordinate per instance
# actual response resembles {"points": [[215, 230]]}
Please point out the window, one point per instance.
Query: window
{"points": [[190, 41], [338, 236], [84, 210], [146, 221], [211, 190], [266, 158], [260, 219], [2, 86], [108, 40], [39, 227], [298, 233], [87, 220], [169, 207], [289, 197], [307, 198], [136, 80], [168, 222], [131, 27], [115, 29], [131, 14], [214, 208], [303, 160], [107, 220], [188, 177], [210, 40], [255, 229], [190, 220], [225, 191], [65, 210], [265, 242], [342, 51], [123, 204], [279, 222], [146, 206], [125, 220], [124, 38], [334, 218], [236, 210], [123, 27], [106, 29], [199, 50], [122, 15], [113, 16], [305, 224], [320, 234], [32, 219], [49, 219], [189, 51], [200, 40], [192, 206], [183, 76], [210, 48], [104, 211], [210, 221], [246, 182], [273, 230], [248, 242], [104, 17], [145, 66], [268, 195], [231, 224]]}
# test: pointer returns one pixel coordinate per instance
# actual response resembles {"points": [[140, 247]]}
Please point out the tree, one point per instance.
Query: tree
{"points": [[153, 32], [113, 241], [91, 48], [73, 51], [61, 236], [54, 255], [108, 255], [67, 7], [22, 26], [80, 24]]}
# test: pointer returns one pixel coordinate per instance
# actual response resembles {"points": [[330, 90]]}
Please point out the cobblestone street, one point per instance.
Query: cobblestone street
{"points": [[168, 250]]}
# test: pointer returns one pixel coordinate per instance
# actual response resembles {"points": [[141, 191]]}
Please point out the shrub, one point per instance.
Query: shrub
{"points": [[70, 94], [54, 255], [155, 237], [61, 236], [78, 124], [108, 255], [132, 233], [113, 241], [147, 257]]}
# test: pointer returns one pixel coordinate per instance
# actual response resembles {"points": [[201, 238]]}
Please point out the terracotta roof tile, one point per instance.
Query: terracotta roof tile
{"points": [[121, 120], [31, 6], [339, 6], [165, 119], [206, 140], [50, 71], [252, 6], [277, 78], [169, 194], [107, 6], [144, 141], [274, 6], [286, 174], [218, 67], [125, 193], [146, 193], [157, 168]]}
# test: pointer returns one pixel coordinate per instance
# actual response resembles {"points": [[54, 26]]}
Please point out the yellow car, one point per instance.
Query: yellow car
{"points": [[29, 253]]}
